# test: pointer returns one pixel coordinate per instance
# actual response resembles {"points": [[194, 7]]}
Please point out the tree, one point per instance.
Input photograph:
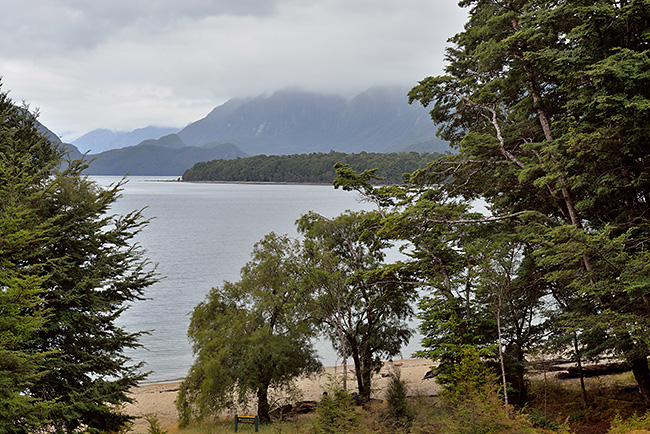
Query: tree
{"points": [[26, 161], [547, 103], [398, 413], [481, 290], [68, 269], [94, 269], [364, 304], [250, 336]]}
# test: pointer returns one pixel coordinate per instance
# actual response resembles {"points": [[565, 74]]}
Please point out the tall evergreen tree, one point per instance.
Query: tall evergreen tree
{"points": [[68, 269], [94, 270], [26, 162]]}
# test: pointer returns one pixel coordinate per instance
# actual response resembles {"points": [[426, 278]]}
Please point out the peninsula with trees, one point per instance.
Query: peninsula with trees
{"points": [[315, 168]]}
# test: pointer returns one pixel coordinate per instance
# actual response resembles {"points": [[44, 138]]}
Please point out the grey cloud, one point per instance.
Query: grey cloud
{"points": [[128, 63], [42, 26]]}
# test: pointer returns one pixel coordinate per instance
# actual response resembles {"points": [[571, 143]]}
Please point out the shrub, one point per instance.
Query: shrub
{"points": [[154, 425], [335, 412], [468, 377], [635, 422], [398, 412]]}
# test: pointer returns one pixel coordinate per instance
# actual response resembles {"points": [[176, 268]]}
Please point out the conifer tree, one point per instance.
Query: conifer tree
{"points": [[68, 269], [25, 164], [94, 268]]}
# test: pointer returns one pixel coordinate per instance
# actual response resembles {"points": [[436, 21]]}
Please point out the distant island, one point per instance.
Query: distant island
{"points": [[314, 168]]}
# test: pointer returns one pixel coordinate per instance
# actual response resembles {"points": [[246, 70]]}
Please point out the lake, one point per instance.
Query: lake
{"points": [[200, 235]]}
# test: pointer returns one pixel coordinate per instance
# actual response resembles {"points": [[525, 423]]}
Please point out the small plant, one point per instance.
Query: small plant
{"points": [[466, 378], [398, 412], [635, 422], [154, 425], [335, 412]]}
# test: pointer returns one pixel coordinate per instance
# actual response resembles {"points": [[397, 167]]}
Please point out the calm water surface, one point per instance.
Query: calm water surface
{"points": [[200, 235]]}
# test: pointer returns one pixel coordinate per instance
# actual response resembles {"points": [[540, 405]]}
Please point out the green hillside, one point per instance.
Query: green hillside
{"points": [[307, 168]]}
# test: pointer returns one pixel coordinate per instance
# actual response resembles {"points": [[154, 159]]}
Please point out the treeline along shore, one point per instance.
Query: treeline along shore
{"points": [[314, 168]]}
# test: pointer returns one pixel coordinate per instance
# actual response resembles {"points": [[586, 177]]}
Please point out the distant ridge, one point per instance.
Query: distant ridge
{"points": [[165, 156], [100, 140], [71, 151], [288, 122], [294, 121]]}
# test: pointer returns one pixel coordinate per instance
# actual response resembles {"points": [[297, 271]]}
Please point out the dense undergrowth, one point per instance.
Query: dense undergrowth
{"points": [[612, 407]]}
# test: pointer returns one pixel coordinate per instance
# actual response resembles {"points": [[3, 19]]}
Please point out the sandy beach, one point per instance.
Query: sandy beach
{"points": [[158, 398]]}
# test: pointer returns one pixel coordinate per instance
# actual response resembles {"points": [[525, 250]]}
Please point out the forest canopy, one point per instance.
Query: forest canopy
{"points": [[308, 168]]}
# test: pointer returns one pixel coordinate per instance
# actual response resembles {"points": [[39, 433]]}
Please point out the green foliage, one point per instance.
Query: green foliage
{"points": [[307, 168], [250, 336], [94, 269], [154, 425], [481, 413], [474, 403], [26, 162], [335, 411], [635, 422], [469, 377], [360, 302], [398, 413], [548, 105], [66, 273]]}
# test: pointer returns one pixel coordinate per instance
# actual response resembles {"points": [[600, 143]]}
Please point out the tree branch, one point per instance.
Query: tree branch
{"points": [[485, 220]]}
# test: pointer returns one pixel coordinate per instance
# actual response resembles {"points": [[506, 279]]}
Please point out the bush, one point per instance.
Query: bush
{"points": [[636, 422], [335, 412], [473, 404], [154, 425], [466, 378], [398, 412]]}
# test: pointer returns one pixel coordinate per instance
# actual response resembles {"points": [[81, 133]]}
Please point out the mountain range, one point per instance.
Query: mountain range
{"points": [[101, 140], [286, 122]]}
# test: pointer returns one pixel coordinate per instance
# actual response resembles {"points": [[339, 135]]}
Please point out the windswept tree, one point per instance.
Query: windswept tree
{"points": [[250, 336], [361, 303]]}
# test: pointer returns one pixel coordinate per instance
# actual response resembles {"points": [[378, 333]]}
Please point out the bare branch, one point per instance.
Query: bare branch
{"points": [[465, 162], [495, 123], [485, 220]]}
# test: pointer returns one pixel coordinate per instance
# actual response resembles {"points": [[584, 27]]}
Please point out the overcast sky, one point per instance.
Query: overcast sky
{"points": [[125, 64]]}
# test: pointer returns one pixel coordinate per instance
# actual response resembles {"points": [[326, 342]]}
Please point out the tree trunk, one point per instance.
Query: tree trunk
{"points": [[366, 376], [263, 407], [517, 374], [344, 353], [580, 370], [341, 334], [357, 367], [500, 342], [641, 373]]}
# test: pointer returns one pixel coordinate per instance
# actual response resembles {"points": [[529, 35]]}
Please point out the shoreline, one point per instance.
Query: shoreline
{"points": [[247, 182], [158, 397]]}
